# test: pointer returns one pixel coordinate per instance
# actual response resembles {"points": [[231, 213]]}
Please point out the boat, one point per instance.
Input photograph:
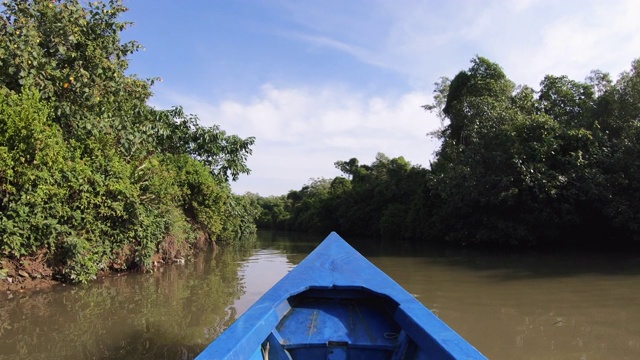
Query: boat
{"points": [[336, 305]]}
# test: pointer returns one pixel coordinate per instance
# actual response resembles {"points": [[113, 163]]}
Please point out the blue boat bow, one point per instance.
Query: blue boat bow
{"points": [[336, 305]]}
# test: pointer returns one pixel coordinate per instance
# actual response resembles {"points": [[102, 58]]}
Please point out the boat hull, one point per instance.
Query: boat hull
{"points": [[336, 305]]}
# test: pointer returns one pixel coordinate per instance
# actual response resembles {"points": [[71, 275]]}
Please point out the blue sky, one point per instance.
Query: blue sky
{"points": [[321, 81]]}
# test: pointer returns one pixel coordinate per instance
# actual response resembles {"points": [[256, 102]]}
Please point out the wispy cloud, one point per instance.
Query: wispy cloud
{"points": [[529, 38], [304, 120], [323, 41]]}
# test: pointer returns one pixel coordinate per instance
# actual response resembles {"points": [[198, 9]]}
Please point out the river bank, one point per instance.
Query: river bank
{"points": [[32, 273], [509, 306], [27, 274]]}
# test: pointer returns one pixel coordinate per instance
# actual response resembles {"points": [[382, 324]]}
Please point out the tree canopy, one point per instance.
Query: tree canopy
{"points": [[90, 174], [557, 166], [537, 166]]}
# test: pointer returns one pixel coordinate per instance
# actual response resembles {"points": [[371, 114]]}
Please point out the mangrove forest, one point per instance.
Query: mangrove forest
{"points": [[557, 166], [93, 178]]}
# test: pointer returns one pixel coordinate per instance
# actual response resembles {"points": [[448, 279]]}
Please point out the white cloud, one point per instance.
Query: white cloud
{"points": [[573, 40], [301, 132], [529, 38]]}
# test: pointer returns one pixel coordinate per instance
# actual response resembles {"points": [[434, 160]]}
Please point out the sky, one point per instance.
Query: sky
{"points": [[320, 81]]}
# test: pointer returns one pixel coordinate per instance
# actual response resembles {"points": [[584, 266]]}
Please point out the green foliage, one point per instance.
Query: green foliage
{"points": [[89, 172], [241, 213], [179, 133], [374, 201], [31, 148], [273, 212], [530, 167], [73, 55], [558, 166], [201, 196], [471, 93], [310, 208]]}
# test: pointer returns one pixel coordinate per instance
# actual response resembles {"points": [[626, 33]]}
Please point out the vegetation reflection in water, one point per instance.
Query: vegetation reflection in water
{"points": [[170, 314], [173, 313], [510, 306]]}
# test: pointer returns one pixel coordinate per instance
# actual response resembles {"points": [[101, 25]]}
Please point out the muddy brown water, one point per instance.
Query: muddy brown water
{"points": [[526, 306]]}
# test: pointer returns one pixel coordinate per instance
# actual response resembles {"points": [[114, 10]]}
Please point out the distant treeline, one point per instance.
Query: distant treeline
{"points": [[558, 166], [91, 177]]}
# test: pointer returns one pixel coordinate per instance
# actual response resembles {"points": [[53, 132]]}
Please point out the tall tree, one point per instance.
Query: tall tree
{"points": [[519, 166], [89, 173]]}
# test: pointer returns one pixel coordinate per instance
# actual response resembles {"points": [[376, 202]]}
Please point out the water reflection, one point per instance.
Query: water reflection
{"points": [[531, 306], [171, 314], [275, 255], [259, 273]]}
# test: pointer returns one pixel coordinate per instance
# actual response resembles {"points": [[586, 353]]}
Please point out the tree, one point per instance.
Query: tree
{"points": [[89, 173], [471, 93], [179, 133], [522, 167]]}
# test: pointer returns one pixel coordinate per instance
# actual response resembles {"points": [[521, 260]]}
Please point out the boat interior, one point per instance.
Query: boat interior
{"points": [[339, 324]]}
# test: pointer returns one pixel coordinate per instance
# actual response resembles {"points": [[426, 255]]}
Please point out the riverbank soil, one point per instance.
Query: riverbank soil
{"points": [[36, 273], [31, 273]]}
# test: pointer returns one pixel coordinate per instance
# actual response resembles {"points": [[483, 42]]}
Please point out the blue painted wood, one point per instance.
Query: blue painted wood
{"points": [[337, 305]]}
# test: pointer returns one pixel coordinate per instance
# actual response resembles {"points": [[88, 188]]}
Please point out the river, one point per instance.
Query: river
{"points": [[524, 306]]}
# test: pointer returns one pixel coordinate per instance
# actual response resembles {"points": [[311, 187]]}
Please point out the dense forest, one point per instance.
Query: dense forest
{"points": [[554, 167], [91, 177]]}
